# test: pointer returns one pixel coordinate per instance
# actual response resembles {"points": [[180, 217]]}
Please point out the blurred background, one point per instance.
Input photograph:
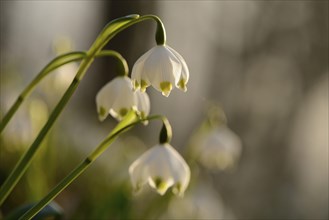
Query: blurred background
{"points": [[264, 63]]}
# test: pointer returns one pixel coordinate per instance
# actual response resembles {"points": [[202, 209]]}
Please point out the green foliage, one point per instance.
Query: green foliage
{"points": [[53, 211]]}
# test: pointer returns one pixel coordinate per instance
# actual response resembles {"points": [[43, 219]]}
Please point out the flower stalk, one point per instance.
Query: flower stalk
{"points": [[122, 66], [26, 159], [105, 36], [129, 121], [54, 64], [166, 132]]}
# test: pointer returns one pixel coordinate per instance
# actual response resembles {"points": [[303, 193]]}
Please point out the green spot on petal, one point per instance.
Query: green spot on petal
{"points": [[182, 85], [160, 185], [138, 187], [102, 111], [166, 87], [143, 85], [136, 84], [123, 112], [177, 188]]}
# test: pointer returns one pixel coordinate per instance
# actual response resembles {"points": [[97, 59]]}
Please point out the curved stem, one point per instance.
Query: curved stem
{"points": [[75, 56], [160, 30], [129, 121], [160, 35], [54, 64], [103, 146], [94, 50], [166, 132], [25, 160], [123, 68]]}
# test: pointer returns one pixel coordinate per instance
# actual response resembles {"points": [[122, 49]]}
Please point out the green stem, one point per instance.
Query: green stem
{"points": [[160, 32], [61, 186], [25, 160], [106, 35], [129, 121], [55, 63], [75, 56], [166, 132], [122, 65]]}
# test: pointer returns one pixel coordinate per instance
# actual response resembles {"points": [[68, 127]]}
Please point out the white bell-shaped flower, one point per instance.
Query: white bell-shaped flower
{"points": [[162, 67], [201, 202], [161, 167], [143, 103], [219, 149], [115, 98]]}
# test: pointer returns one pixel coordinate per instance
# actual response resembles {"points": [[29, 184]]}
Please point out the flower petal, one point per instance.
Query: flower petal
{"points": [[116, 98], [181, 171], [138, 170], [184, 77], [125, 98], [138, 75], [160, 185], [104, 100], [143, 103], [162, 66]]}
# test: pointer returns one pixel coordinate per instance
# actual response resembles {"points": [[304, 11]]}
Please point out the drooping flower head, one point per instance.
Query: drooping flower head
{"points": [[115, 98], [162, 167], [162, 67], [201, 202], [219, 149]]}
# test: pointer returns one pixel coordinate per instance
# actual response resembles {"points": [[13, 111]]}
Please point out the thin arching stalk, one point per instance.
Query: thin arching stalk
{"points": [[129, 121]]}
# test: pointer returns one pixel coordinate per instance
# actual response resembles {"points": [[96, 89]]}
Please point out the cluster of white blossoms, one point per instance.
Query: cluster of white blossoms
{"points": [[162, 67]]}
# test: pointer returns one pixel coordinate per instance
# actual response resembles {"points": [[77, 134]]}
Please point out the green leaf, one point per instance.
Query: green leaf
{"points": [[52, 210], [117, 23], [61, 60], [54, 64], [111, 29], [126, 123]]}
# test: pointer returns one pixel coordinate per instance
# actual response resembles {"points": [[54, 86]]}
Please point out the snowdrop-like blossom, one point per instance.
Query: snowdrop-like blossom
{"points": [[161, 167], [162, 67], [219, 149], [201, 202], [115, 98]]}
